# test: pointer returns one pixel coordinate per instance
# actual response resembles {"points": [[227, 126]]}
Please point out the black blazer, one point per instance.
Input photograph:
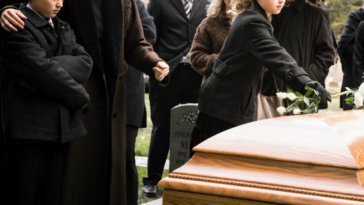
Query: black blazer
{"points": [[230, 94], [51, 112], [175, 32], [134, 80], [358, 56]]}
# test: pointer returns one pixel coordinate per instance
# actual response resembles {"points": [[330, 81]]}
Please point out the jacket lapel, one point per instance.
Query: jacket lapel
{"points": [[196, 4], [179, 6], [84, 17]]}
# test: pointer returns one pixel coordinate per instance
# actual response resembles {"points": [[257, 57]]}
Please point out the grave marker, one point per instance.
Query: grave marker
{"points": [[183, 120]]}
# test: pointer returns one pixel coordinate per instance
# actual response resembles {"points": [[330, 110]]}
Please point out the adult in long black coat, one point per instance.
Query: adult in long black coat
{"points": [[346, 49], [135, 108]]}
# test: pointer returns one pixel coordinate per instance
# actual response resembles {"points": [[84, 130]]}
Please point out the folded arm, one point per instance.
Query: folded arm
{"points": [[25, 58], [79, 64]]}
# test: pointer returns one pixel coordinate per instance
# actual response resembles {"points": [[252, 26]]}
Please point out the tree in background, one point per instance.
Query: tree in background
{"points": [[339, 11]]}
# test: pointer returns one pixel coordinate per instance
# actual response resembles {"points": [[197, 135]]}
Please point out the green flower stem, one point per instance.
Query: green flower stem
{"points": [[343, 93]]}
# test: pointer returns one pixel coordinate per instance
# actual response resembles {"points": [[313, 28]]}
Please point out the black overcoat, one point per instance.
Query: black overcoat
{"points": [[346, 49], [55, 67], [304, 31], [230, 94]]}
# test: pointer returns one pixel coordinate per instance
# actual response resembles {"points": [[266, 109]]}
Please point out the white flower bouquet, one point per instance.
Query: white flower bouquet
{"points": [[309, 100], [355, 97], [312, 98]]}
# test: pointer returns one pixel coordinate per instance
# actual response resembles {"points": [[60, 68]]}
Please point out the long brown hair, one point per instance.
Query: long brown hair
{"points": [[238, 6]]}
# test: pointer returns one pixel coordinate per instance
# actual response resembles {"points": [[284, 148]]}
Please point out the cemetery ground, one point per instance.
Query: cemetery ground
{"points": [[143, 140]]}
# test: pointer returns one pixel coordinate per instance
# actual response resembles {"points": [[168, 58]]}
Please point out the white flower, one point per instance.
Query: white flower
{"points": [[296, 111], [361, 89], [281, 110], [281, 95], [358, 100], [291, 96]]}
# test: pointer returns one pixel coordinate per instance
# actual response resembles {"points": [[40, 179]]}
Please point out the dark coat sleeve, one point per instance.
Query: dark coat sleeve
{"points": [[347, 39], [267, 50], [138, 52], [358, 56], [324, 55], [79, 64], [5, 3], [154, 11], [27, 59], [147, 23]]}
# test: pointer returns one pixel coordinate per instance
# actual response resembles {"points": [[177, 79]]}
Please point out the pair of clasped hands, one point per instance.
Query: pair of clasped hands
{"points": [[11, 19]]}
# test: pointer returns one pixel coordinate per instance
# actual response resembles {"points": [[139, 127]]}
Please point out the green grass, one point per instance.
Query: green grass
{"points": [[147, 105], [142, 143], [141, 198]]}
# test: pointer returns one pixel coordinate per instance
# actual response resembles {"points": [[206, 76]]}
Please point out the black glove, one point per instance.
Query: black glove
{"points": [[325, 95]]}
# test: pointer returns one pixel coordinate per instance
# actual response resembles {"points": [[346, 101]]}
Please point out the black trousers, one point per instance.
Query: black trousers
{"points": [[32, 172], [183, 88], [131, 170], [206, 127]]}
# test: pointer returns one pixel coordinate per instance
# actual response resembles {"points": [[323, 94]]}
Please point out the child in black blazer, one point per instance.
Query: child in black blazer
{"points": [[43, 69], [229, 96]]}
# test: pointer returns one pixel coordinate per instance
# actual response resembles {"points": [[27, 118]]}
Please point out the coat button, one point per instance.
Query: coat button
{"points": [[85, 110], [189, 24], [290, 75], [114, 115], [62, 27]]}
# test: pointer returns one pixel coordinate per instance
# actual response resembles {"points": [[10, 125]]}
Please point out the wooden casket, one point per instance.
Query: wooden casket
{"points": [[309, 159]]}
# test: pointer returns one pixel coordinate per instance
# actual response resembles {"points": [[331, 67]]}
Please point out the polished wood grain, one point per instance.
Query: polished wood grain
{"points": [[323, 139], [311, 159], [186, 198]]}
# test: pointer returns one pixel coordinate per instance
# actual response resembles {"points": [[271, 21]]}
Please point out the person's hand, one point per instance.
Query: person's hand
{"points": [[12, 18], [325, 95], [161, 70]]}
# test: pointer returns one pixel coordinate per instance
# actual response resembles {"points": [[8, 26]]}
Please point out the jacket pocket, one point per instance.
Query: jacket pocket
{"points": [[250, 107], [219, 67]]}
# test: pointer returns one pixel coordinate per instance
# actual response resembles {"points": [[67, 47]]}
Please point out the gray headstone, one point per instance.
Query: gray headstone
{"points": [[183, 120]]}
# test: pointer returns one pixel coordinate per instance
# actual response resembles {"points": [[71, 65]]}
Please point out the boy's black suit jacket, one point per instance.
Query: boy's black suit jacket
{"points": [[53, 64]]}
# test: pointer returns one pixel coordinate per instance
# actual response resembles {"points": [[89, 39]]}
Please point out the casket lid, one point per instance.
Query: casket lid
{"points": [[323, 139]]}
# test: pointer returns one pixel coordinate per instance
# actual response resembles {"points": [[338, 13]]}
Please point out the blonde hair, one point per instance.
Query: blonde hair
{"points": [[238, 6], [213, 10]]}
